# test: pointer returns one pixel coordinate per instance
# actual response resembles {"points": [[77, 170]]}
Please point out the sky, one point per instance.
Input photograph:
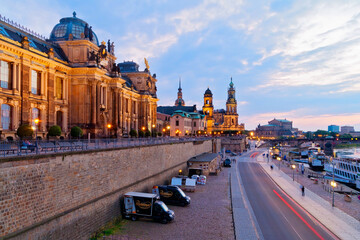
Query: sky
{"points": [[298, 60]]}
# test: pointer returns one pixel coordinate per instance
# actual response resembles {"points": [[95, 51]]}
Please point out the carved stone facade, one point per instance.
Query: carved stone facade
{"points": [[70, 80]]}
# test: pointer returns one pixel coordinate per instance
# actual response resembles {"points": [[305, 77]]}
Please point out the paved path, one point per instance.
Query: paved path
{"points": [[338, 222]]}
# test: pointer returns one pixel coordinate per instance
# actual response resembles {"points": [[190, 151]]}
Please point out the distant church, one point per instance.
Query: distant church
{"points": [[220, 120]]}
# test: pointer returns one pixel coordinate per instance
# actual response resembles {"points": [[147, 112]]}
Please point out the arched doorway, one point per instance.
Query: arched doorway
{"points": [[59, 119]]}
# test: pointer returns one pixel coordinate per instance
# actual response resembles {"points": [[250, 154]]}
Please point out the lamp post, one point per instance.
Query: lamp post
{"points": [[333, 184], [153, 131], [36, 140], [279, 159], [109, 128], [293, 168]]}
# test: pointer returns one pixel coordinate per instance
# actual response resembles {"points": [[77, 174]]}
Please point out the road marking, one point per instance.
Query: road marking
{"points": [[297, 214]]}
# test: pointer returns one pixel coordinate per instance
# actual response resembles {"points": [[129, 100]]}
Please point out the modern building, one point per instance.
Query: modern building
{"points": [[222, 121], [334, 128], [276, 128], [70, 79], [347, 129]]}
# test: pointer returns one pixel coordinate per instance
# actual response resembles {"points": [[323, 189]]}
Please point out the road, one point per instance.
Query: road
{"points": [[278, 216]]}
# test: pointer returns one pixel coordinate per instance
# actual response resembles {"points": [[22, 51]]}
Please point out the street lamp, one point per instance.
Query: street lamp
{"points": [[143, 128], [36, 127], [293, 167], [109, 127], [333, 184], [279, 159]]}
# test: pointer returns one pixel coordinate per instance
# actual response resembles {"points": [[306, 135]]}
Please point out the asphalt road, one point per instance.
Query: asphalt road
{"points": [[278, 216]]}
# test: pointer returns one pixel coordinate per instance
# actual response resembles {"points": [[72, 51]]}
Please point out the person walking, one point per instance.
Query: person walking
{"points": [[302, 169], [302, 190]]}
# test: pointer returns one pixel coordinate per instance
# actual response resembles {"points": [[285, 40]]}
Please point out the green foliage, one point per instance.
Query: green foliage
{"points": [[154, 134], [113, 227], [141, 134], [345, 136], [147, 133], [133, 133], [25, 131], [54, 131], [76, 132]]}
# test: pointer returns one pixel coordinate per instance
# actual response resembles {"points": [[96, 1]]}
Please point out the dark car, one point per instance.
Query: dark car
{"points": [[227, 163], [172, 195]]}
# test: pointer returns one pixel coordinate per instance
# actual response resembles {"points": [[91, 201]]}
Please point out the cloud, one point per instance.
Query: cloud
{"points": [[314, 46]]}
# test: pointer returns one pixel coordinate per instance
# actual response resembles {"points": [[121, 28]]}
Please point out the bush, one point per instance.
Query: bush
{"points": [[141, 134], [25, 131], [133, 133], [159, 134], [55, 131], [76, 132], [147, 133], [154, 134]]}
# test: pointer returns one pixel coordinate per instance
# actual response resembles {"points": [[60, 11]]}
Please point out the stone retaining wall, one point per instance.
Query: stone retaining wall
{"points": [[69, 196]]}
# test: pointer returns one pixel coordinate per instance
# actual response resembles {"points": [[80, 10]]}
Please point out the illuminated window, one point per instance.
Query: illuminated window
{"points": [[35, 82], [59, 88], [5, 74], [6, 116], [35, 115], [60, 30]]}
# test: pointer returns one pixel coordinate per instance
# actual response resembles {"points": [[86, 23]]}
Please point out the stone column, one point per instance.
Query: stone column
{"points": [[51, 98], [13, 82], [93, 103], [25, 88]]}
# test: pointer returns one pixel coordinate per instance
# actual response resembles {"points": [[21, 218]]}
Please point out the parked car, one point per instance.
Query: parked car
{"points": [[227, 163], [171, 195]]}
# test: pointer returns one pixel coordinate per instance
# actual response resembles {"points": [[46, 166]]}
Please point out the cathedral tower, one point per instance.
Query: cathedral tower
{"points": [[231, 116], [208, 109], [179, 101]]}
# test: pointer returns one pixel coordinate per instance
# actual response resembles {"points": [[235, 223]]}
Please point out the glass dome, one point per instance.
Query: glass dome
{"points": [[72, 25]]}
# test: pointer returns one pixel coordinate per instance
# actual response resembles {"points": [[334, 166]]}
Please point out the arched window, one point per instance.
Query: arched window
{"points": [[207, 101], [35, 115], [6, 117]]}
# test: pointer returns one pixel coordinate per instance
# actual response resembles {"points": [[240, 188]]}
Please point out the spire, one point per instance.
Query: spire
{"points": [[179, 83]]}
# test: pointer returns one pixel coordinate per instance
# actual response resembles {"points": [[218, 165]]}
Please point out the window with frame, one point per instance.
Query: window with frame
{"points": [[127, 105], [5, 74], [177, 123], [35, 113], [35, 82], [6, 116], [59, 88], [77, 30], [194, 124]]}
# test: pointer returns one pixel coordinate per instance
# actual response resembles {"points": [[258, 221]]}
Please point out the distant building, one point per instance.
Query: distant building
{"points": [[222, 121], [334, 128], [347, 129], [276, 128], [186, 123], [163, 123]]}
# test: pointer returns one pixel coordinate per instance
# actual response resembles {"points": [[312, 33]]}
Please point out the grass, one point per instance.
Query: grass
{"points": [[113, 227]]}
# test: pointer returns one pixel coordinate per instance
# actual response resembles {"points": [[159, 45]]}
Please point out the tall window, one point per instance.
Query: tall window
{"points": [[59, 118], [59, 88], [6, 116], [35, 115], [127, 105], [35, 82], [5, 74], [177, 123]]}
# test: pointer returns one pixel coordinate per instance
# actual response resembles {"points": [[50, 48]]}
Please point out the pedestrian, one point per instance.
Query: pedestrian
{"points": [[302, 190], [271, 167], [302, 169]]}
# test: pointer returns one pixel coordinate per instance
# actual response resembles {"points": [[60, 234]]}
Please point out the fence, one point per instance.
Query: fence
{"points": [[33, 147]]}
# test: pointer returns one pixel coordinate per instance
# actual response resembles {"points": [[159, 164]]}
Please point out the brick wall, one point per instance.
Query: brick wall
{"points": [[69, 196]]}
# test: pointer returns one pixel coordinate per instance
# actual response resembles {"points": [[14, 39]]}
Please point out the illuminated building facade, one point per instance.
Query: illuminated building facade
{"points": [[70, 80]]}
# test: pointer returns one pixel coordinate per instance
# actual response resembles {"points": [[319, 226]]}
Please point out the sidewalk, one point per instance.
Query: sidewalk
{"points": [[338, 222]]}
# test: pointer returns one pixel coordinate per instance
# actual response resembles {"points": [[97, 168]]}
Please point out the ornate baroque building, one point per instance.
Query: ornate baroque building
{"points": [[220, 120], [70, 80]]}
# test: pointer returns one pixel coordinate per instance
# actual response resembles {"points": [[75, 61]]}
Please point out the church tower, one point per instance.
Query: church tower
{"points": [[179, 101], [231, 116], [208, 109]]}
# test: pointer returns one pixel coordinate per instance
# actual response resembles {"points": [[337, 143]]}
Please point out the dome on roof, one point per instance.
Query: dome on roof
{"points": [[72, 25], [208, 91]]}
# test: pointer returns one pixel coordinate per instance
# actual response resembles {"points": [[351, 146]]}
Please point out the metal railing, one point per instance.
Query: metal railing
{"points": [[33, 147]]}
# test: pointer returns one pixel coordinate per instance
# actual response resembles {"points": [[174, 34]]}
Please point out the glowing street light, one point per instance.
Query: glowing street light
{"points": [[143, 128], [36, 120], [333, 184], [293, 167]]}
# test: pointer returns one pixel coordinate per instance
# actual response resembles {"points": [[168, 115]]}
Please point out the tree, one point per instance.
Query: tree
{"points": [[25, 131], [76, 132], [141, 134], [54, 131], [147, 133], [133, 133], [345, 136], [159, 134]]}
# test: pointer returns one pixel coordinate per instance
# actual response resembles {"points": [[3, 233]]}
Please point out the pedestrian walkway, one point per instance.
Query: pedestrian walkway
{"points": [[245, 223], [338, 222]]}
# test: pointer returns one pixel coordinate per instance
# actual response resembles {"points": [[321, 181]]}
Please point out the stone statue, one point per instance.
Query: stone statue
{"points": [[90, 33], [86, 31], [92, 56], [109, 46], [112, 48], [146, 64]]}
